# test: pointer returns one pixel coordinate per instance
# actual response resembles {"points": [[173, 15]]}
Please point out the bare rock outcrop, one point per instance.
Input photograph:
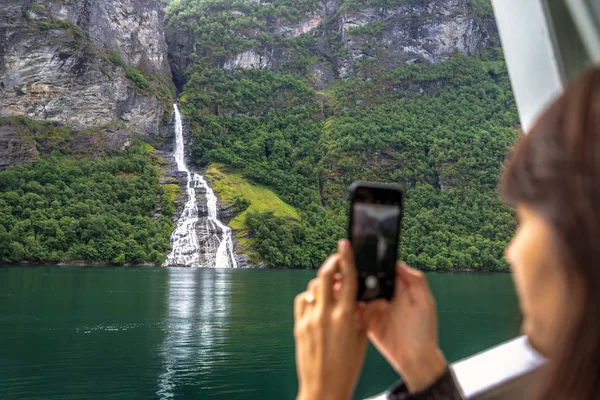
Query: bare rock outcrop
{"points": [[98, 65]]}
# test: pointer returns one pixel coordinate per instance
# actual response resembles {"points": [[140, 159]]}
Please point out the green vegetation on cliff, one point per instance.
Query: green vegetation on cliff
{"points": [[60, 209], [445, 144], [152, 83], [275, 146]]}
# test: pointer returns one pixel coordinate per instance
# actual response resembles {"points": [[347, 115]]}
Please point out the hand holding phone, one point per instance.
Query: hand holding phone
{"points": [[374, 231]]}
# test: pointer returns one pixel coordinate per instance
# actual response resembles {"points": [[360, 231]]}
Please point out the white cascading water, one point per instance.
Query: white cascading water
{"points": [[200, 239]]}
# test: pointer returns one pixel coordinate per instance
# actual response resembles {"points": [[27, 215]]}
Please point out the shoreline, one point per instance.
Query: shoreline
{"points": [[24, 264], [109, 265]]}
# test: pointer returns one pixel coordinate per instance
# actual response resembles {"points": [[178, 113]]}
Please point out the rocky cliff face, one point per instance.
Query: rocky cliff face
{"points": [[348, 36], [91, 65], [424, 31]]}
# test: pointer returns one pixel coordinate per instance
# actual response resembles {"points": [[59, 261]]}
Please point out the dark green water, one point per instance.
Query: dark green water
{"points": [[99, 333]]}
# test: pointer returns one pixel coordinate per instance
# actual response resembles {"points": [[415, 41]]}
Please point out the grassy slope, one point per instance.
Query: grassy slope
{"points": [[230, 185]]}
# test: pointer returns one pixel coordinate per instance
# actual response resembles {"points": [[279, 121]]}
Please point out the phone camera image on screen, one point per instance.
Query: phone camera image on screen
{"points": [[374, 237], [374, 232]]}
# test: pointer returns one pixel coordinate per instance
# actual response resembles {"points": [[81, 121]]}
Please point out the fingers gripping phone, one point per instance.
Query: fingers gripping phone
{"points": [[374, 231]]}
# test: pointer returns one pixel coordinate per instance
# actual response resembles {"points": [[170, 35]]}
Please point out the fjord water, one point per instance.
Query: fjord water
{"points": [[176, 333]]}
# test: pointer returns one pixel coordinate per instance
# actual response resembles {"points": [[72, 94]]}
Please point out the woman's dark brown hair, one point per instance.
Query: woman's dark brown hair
{"points": [[556, 171]]}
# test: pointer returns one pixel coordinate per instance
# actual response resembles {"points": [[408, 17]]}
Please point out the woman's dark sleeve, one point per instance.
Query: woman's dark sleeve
{"points": [[445, 388]]}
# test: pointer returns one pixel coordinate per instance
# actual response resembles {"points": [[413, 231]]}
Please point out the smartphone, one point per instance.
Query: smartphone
{"points": [[374, 232]]}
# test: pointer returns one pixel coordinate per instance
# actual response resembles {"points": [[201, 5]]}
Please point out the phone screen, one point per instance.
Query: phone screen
{"points": [[376, 213], [375, 236]]}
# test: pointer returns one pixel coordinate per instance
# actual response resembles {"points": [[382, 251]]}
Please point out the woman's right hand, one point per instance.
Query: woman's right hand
{"points": [[405, 331]]}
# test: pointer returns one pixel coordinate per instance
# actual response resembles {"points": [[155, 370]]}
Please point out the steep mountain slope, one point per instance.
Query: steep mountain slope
{"points": [[307, 96], [99, 66], [82, 83], [345, 36]]}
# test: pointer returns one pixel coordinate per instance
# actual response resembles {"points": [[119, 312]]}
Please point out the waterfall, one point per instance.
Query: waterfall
{"points": [[199, 239]]}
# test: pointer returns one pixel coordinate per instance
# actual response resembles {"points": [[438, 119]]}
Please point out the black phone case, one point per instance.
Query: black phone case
{"points": [[386, 282]]}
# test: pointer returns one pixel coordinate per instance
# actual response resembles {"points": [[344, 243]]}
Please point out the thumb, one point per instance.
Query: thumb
{"points": [[409, 275], [401, 284], [415, 284], [349, 289]]}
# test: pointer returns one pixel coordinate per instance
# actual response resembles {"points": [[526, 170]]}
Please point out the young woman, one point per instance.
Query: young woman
{"points": [[553, 180]]}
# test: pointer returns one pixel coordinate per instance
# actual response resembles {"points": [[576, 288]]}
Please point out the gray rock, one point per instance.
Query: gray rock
{"points": [[226, 212], [19, 144], [427, 31], [14, 148], [55, 66], [180, 44]]}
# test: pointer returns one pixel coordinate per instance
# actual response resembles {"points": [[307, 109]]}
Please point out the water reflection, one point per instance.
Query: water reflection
{"points": [[198, 310]]}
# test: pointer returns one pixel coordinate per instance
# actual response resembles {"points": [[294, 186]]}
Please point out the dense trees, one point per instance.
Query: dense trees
{"points": [[60, 209], [445, 144], [275, 145]]}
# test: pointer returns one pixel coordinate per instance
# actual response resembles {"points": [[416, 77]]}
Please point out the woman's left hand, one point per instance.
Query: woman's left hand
{"points": [[330, 331]]}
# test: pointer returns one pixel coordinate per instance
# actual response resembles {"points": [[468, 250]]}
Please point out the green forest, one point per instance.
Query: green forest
{"points": [[62, 209], [441, 130]]}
